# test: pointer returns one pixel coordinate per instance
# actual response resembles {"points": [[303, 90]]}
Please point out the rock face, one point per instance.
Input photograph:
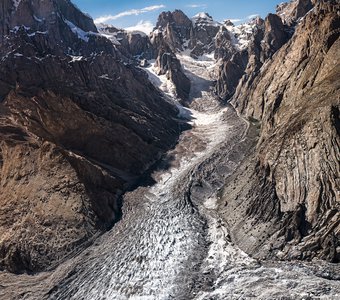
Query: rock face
{"points": [[41, 15], [129, 43], [291, 12], [168, 64], [242, 62], [78, 126], [176, 27], [287, 204], [229, 74], [181, 33], [172, 29], [204, 33]]}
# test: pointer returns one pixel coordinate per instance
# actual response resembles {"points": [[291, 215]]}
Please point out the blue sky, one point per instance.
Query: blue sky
{"points": [[129, 13]]}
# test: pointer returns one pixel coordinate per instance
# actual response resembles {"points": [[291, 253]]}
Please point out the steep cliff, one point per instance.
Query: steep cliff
{"points": [[287, 199], [176, 27], [78, 126], [242, 61]]}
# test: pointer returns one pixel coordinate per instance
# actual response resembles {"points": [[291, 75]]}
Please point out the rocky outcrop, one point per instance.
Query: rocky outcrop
{"points": [[129, 43], [242, 62], [230, 72], [176, 28], [223, 43], [274, 36], [237, 59], [203, 36], [287, 204], [291, 12], [168, 64], [78, 126]]}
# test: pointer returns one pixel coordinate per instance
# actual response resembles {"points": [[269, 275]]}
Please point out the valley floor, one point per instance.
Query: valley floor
{"points": [[171, 242]]}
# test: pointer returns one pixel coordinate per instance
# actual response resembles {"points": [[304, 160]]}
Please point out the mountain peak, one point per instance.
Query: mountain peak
{"points": [[204, 18], [177, 18], [203, 15]]}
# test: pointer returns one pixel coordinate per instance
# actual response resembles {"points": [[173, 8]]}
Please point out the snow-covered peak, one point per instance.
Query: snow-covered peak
{"points": [[110, 32], [241, 34], [203, 15], [203, 18]]}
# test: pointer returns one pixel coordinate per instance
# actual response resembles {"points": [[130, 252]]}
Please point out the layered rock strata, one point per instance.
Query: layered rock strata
{"points": [[287, 194]]}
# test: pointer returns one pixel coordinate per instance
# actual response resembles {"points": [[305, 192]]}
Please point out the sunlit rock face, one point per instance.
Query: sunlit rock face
{"points": [[78, 126], [296, 94], [291, 12]]}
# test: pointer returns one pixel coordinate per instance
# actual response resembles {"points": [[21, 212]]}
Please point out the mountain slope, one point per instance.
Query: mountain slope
{"points": [[288, 205], [79, 125]]}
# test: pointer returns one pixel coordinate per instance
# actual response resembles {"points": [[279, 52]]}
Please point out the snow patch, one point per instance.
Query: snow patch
{"points": [[37, 19], [160, 81], [37, 32], [241, 35], [105, 76], [76, 58], [110, 36], [203, 18], [78, 31], [16, 3]]}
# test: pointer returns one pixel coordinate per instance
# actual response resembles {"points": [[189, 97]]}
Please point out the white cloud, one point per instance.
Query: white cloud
{"points": [[196, 5], [253, 16], [130, 12], [143, 26]]}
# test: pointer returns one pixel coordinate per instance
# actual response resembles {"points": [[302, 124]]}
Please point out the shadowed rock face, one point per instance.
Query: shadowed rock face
{"points": [[129, 43], [289, 203], [78, 126]]}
